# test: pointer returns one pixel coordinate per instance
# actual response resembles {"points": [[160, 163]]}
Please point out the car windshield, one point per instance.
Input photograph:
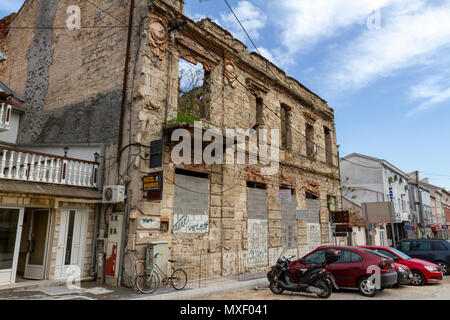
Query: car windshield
{"points": [[378, 254], [401, 254]]}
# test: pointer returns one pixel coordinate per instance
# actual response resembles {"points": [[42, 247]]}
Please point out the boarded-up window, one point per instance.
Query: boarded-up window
{"points": [[191, 203], [257, 224], [313, 223], [289, 227]]}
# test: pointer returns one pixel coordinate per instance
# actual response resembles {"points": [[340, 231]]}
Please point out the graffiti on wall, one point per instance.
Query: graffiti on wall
{"points": [[191, 223], [150, 223], [314, 236], [257, 241]]}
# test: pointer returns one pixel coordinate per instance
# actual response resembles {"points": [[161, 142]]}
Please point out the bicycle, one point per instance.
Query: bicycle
{"points": [[149, 280]]}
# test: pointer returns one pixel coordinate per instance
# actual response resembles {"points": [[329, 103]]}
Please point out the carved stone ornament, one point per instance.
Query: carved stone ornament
{"points": [[159, 39], [230, 73]]}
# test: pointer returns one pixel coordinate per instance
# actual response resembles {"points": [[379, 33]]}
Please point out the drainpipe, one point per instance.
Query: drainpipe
{"points": [[93, 272], [125, 81], [122, 249]]}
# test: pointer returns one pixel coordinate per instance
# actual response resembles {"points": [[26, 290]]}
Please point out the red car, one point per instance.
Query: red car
{"points": [[351, 270], [423, 271]]}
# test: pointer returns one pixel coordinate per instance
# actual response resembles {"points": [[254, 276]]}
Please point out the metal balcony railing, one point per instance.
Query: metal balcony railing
{"points": [[17, 164], [5, 116]]}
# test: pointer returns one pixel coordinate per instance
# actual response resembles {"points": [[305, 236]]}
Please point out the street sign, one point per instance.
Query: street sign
{"points": [[391, 195], [444, 226], [398, 218]]}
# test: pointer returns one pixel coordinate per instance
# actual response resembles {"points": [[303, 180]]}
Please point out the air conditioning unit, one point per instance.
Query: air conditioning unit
{"points": [[113, 194]]}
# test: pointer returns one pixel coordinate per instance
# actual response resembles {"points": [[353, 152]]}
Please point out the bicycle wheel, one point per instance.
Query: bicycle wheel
{"points": [[179, 279], [147, 281]]}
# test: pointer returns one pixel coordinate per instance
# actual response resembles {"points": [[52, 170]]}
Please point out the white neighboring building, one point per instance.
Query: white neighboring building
{"points": [[376, 180]]}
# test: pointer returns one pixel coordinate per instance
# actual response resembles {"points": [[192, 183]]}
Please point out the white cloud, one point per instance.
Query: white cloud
{"points": [[405, 40], [252, 18], [432, 91], [306, 23]]}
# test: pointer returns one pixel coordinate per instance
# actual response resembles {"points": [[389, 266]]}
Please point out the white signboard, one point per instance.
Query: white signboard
{"points": [[191, 223]]}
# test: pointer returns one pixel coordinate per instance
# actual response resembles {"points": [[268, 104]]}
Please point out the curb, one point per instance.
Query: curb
{"points": [[180, 295]]}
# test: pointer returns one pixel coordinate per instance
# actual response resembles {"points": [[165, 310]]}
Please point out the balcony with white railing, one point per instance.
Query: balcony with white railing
{"points": [[23, 165], [5, 116]]}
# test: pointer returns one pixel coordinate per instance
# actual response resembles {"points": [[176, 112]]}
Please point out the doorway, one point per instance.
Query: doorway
{"points": [[10, 233], [71, 242], [33, 244]]}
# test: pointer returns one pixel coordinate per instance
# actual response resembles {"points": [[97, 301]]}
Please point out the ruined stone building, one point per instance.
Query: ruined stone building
{"points": [[83, 101]]}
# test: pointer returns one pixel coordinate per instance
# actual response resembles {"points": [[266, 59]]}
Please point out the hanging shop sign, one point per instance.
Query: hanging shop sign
{"points": [[153, 185], [340, 217]]}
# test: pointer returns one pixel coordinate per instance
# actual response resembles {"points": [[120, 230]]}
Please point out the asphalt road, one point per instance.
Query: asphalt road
{"points": [[439, 291]]}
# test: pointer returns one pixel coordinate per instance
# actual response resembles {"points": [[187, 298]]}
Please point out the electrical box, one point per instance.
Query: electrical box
{"points": [[153, 248], [113, 248]]}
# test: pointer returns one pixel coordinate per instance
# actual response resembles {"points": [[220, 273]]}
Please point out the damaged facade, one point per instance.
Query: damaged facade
{"points": [[230, 214]]}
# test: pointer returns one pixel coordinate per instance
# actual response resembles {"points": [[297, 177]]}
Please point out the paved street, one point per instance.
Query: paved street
{"points": [[428, 292]]}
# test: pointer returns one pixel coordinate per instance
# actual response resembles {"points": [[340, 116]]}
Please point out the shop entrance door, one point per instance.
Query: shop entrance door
{"points": [[37, 244], [10, 232]]}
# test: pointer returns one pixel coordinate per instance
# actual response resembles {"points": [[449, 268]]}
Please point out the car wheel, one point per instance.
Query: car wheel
{"points": [[366, 287], [444, 267], [418, 279]]}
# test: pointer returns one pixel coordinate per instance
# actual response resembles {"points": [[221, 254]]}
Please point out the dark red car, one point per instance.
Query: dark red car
{"points": [[351, 270], [423, 271]]}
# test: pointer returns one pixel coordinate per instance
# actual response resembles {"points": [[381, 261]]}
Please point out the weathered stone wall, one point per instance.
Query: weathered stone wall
{"points": [[77, 98], [71, 80], [232, 106]]}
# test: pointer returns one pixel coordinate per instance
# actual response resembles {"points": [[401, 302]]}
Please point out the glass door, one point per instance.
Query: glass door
{"points": [[10, 232], [37, 244], [71, 241]]}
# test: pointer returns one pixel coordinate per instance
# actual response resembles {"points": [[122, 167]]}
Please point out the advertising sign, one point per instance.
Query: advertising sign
{"points": [[153, 185]]}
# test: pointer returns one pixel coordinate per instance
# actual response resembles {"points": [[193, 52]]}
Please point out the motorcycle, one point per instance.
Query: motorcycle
{"points": [[316, 279]]}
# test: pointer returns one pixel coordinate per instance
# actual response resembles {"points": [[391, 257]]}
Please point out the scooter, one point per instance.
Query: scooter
{"points": [[316, 279]]}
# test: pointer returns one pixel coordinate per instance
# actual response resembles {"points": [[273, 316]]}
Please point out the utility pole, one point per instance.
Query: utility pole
{"points": [[422, 219]]}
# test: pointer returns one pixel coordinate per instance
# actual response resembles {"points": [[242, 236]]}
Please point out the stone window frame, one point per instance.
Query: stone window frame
{"points": [[193, 54], [328, 146], [286, 142], [259, 91]]}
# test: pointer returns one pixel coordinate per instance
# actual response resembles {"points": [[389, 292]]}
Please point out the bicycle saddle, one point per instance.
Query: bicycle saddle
{"points": [[172, 261]]}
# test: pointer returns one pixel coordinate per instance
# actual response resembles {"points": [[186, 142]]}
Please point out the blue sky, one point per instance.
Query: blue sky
{"points": [[382, 65]]}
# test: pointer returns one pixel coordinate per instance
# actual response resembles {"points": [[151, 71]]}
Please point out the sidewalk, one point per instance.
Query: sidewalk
{"points": [[57, 290], [193, 293]]}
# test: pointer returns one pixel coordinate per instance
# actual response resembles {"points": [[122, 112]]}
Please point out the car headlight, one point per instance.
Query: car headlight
{"points": [[401, 269], [430, 268]]}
